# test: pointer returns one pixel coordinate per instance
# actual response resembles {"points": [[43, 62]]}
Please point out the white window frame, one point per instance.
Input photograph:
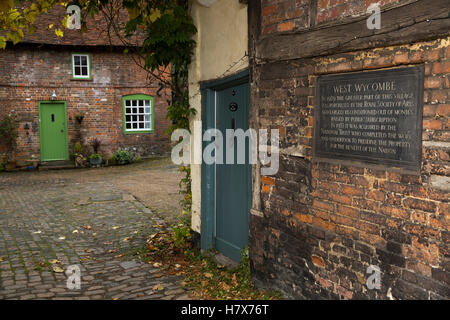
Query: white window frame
{"points": [[88, 58], [131, 108]]}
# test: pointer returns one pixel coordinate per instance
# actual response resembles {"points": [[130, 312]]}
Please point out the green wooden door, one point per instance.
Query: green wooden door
{"points": [[53, 131], [233, 181]]}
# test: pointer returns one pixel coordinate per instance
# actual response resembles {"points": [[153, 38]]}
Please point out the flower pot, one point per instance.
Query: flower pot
{"points": [[95, 161]]}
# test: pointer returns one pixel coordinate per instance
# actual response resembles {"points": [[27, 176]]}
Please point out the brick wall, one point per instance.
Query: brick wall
{"points": [[33, 73], [294, 15], [284, 15], [323, 224]]}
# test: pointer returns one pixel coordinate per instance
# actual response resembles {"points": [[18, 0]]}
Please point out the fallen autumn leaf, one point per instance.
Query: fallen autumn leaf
{"points": [[58, 269]]}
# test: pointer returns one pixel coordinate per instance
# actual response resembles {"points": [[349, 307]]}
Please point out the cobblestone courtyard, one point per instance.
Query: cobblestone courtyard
{"points": [[90, 218]]}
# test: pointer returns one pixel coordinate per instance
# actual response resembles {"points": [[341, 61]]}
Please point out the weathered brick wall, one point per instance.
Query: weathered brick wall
{"points": [[294, 15], [31, 74], [323, 224]]}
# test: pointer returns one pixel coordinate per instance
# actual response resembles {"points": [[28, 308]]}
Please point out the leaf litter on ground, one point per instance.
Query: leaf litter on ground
{"points": [[202, 275]]}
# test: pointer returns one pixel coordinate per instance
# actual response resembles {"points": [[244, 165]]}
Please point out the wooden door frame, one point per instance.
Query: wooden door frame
{"points": [[208, 180], [66, 136]]}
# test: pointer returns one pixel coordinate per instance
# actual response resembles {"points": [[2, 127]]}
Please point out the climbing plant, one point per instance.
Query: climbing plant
{"points": [[8, 134]]}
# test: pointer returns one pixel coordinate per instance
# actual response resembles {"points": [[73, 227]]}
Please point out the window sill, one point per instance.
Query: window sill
{"points": [[81, 79], [138, 132]]}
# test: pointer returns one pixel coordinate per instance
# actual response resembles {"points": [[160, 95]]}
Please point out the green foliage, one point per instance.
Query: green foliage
{"points": [[185, 188], [16, 22], [95, 156], [180, 112], [182, 231], [77, 148], [169, 31], [122, 156], [244, 268], [169, 38]]}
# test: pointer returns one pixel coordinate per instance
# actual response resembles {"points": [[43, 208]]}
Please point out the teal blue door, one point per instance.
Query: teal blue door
{"points": [[233, 181]]}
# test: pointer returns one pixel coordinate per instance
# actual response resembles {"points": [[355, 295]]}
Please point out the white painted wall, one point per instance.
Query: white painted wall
{"points": [[222, 46]]}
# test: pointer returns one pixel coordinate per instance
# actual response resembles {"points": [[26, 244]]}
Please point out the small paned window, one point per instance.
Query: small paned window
{"points": [[138, 113], [81, 66]]}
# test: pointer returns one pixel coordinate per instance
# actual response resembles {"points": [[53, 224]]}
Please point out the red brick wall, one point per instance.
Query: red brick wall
{"points": [[323, 223], [293, 15], [284, 15], [33, 74], [331, 10]]}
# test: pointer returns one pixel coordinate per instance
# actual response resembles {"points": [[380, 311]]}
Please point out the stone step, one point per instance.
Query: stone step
{"points": [[56, 165]]}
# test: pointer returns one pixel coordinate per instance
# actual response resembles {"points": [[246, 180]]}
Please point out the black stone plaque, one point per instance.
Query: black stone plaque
{"points": [[373, 117]]}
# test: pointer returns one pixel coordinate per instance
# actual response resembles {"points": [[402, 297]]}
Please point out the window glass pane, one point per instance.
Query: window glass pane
{"points": [[77, 71], [138, 114], [84, 71], [84, 60], [76, 60]]}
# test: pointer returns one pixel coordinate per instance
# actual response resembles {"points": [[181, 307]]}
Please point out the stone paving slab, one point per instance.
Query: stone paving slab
{"points": [[45, 227]]}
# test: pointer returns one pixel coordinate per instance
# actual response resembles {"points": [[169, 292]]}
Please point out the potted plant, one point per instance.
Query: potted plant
{"points": [[80, 159], [95, 159]]}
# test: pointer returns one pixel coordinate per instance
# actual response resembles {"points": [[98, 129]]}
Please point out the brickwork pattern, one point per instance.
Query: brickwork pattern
{"points": [[323, 223], [34, 74], [279, 16]]}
